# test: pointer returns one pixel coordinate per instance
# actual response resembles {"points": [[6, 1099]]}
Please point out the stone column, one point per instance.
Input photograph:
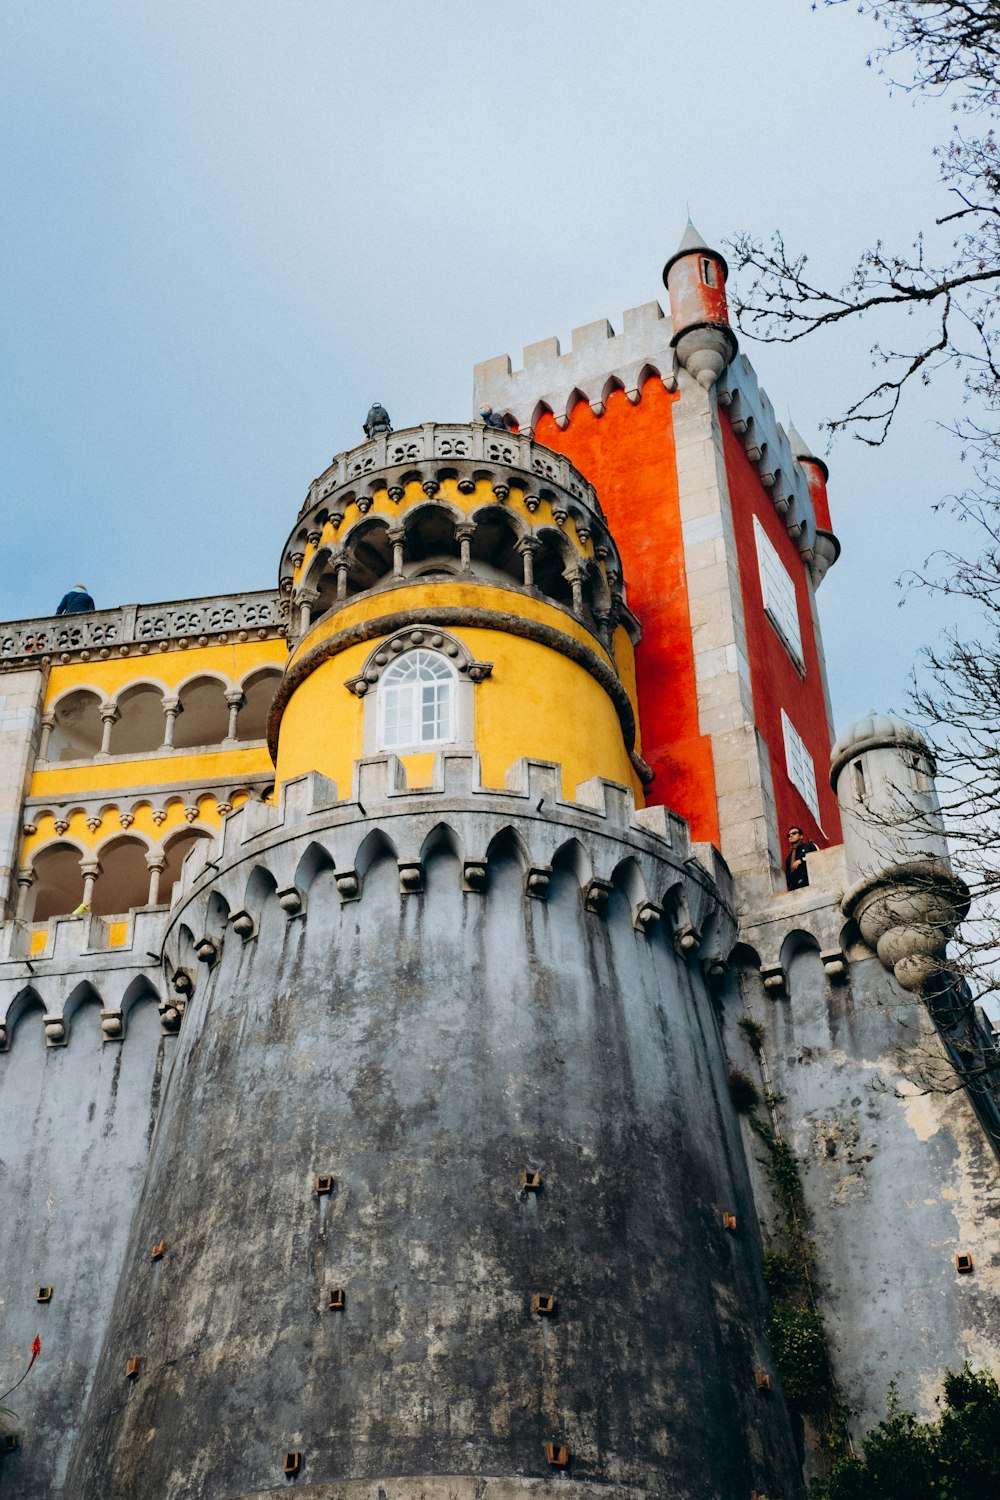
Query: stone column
{"points": [[171, 708], [528, 546], [48, 724], [397, 536], [109, 718], [156, 864], [90, 869], [235, 698], [25, 880], [464, 533], [575, 580], [341, 580], [305, 599]]}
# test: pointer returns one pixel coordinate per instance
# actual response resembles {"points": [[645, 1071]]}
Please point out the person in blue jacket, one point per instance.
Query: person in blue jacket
{"points": [[76, 602]]}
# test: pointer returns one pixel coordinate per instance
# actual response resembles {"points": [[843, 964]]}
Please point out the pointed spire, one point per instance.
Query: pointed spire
{"points": [[802, 451], [692, 242]]}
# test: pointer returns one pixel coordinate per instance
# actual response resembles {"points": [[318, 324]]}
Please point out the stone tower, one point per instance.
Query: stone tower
{"points": [[381, 956]]}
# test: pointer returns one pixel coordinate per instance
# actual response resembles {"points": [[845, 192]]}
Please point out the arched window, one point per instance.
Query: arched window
{"points": [[417, 702]]}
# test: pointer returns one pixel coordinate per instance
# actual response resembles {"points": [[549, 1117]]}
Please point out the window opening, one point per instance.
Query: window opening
{"points": [[417, 702], [778, 591], [860, 785], [708, 272], [799, 764]]}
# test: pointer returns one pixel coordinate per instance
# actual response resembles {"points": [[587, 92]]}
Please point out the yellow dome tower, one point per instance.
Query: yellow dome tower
{"points": [[455, 587]]}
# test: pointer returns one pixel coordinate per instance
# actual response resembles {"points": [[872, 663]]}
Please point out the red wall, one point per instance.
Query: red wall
{"points": [[628, 456], [776, 682]]}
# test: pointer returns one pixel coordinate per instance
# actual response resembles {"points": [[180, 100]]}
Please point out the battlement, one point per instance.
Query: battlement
{"points": [[77, 969], [599, 362], [769, 449], [601, 835]]}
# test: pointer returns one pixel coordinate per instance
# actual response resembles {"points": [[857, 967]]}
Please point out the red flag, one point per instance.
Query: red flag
{"points": [[36, 1350]]}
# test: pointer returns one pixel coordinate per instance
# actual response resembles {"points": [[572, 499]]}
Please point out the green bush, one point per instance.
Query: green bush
{"points": [[798, 1340], [955, 1458]]}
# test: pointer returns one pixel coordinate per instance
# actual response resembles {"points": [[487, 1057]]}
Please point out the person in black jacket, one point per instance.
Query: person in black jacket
{"points": [[796, 869], [76, 602]]}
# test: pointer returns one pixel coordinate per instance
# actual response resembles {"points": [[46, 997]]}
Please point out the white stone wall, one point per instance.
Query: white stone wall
{"points": [[21, 696]]}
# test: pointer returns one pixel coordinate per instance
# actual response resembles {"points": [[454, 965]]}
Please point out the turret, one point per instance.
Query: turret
{"points": [[826, 548], [695, 277], [905, 897]]}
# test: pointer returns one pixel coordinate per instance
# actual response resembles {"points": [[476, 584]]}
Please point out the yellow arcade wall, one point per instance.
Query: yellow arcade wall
{"points": [[62, 785], [537, 702]]}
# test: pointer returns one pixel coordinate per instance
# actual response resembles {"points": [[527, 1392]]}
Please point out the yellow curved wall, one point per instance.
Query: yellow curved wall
{"points": [[537, 702]]}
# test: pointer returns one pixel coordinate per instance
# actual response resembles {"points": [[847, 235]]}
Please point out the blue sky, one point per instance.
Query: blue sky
{"points": [[230, 224]]}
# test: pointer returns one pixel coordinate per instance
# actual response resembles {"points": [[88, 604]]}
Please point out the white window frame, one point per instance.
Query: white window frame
{"points": [[448, 734], [777, 588], [799, 765]]}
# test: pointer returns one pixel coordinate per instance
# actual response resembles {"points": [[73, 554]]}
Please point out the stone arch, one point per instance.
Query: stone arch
{"points": [[204, 715], [141, 722], [314, 861], [611, 385], [797, 941], [441, 856], [430, 529], [555, 556], [374, 846], [572, 858], [368, 554], [77, 728], [217, 914], [575, 398], [646, 374], [628, 878], [124, 879], [24, 1002], [442, 839], [260, 885], [81, 995], [259, 688], [743, 957], [497, 534], [138, 992], [542, 409], [507, 844], [58, 885], [176, 847]]}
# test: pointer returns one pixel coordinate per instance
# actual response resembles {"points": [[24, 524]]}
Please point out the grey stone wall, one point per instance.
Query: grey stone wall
{"points": [[20, 723], [897, 1172], [75, 1126], [425, 995]]}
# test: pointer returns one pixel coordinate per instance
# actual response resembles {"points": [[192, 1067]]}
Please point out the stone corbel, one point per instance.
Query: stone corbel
{"points": [[243, 924], [646, 917], [290, 901], [596, 895], [774, 980], [411, 877], [537, 883], [834, 963], [55, 1031], [112, 1025], [348, 884], [474, 873]]}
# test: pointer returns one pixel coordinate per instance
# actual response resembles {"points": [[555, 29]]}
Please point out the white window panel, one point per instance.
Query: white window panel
{"points": [[799, 763], [779, 592]]}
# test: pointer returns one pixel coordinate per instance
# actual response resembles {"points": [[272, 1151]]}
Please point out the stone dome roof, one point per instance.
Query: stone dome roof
{"points": [[872, 732]]}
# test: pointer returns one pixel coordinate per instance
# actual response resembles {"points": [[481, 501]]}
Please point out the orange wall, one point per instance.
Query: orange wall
{"points": [[628, 455], [776, 681]]}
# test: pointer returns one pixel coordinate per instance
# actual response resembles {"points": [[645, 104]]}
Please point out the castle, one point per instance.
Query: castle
{"points": [[400, 991]]}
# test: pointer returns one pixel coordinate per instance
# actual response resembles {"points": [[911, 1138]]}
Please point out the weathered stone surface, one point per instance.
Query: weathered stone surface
{"points": [[425, 1049]]}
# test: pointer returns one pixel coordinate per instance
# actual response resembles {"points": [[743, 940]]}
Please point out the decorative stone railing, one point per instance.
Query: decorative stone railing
{"points": [[140, 628], [446, 442]]}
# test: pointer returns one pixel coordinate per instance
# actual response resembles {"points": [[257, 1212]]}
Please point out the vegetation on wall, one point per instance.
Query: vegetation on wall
{"points": [[955, 1458], [795, 1325]]}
